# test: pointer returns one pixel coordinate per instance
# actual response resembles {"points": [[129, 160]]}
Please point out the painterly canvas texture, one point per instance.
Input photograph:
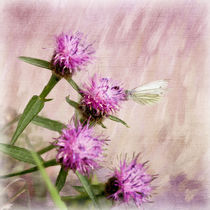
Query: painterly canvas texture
{"points": [[136, 42]]}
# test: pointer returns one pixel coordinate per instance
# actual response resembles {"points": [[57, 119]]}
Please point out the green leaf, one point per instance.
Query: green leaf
{"points": [[53, 191], [102, 125], [46, 149], [42, 122], [36, 62], [48, 123], [80, 199], [47, 99], [83, 200], [17, 153], [33, 107], [30, 170], [79, 189], [61, 179], [97, 189], [87, 187], [116, 119], [72, 103], [74, 85]]}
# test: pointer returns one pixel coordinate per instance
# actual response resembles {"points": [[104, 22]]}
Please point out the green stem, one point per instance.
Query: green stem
{"points": [[46, 149], [52, 82], [30, 170], [74, 85], [51, 188], [79, 197], [75, 198], [87, 187]]}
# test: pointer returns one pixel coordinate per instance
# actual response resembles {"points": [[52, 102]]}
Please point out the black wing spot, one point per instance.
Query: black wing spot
{"points": [[116, 87]]}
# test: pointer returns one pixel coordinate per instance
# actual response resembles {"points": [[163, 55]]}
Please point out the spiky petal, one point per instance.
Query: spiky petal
{"points": [[102, 96], [130, 182], [72, 53], [79, 148]]}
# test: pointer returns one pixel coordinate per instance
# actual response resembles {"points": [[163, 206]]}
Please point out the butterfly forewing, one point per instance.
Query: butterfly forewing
{"points": [[149, 93]]}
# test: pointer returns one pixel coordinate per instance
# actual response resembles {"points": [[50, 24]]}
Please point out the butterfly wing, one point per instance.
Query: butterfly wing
{"points": [[149, 93]]}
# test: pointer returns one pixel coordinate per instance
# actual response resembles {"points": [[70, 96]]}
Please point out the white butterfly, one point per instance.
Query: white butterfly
{"points": [[149, 93]]}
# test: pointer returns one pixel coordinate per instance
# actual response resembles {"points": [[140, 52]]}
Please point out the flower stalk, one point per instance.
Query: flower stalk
{"points": [[54, 79]]}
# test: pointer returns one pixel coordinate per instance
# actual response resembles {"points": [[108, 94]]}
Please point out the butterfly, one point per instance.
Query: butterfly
{"points": [[149, 93]]}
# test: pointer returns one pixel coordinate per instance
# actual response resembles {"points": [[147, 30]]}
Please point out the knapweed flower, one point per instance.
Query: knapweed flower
{"points": [[71, 54], [130, 182], [101, 97], [79, 148]]}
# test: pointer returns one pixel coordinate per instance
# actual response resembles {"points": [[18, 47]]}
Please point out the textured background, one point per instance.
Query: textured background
{"points": [[136, 42]]}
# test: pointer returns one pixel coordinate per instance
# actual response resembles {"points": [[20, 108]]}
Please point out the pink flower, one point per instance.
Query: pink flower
{"points": [[101, 97], [130, 182], [71, 53], [79, 148]]}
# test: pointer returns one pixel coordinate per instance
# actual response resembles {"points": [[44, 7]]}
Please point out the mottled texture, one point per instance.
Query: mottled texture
{"points": [[71, 53], [101, 97], [130, 182], [79, 148]]}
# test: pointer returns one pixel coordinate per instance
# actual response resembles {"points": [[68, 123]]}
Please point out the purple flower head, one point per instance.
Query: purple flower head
{"points": [[130, 182], [71, 53], [79, 148], [101, 97]]}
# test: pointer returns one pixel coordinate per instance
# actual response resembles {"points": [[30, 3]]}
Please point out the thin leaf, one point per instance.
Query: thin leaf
{"points": [[33, 107], [102, 125], [72, 103], [82, 200], [47, 99], [72, 199], [17, 153], [74, 85], [36, 62], [53, 192], [79, 189], [48, 123], [116, 119], [87, 187], [46, 149], [30, 170], [61, 179], [42, 122], [97, 189]]}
